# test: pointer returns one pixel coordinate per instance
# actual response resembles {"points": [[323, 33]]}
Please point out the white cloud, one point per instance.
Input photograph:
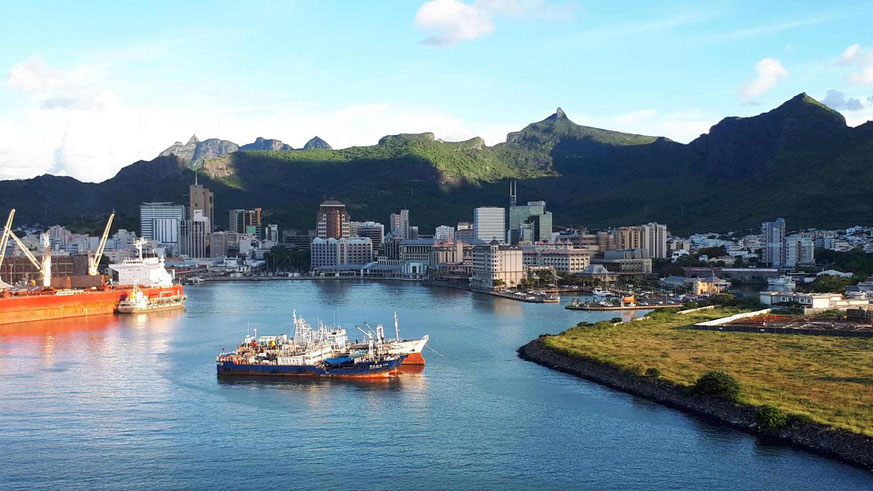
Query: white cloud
{"points": [[72, 123], [770, 72], [855, 55], [452, 21], [836, 99]]}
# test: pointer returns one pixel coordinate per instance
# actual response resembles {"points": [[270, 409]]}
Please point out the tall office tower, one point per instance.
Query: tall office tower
{"points": [[629, 238], [464, 231], [399, 223], [374, 231], [332, 220], [201, 199], [160, 221], [773, 243], [489, 223], [530, 223], [653, 237], [194, 233]]}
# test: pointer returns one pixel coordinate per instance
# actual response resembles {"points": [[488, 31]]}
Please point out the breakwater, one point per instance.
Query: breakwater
{"points": [[818, 438]]}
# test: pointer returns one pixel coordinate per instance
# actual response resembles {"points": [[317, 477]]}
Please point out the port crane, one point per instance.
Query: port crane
{"points": [[94, 261], [44, 267]]}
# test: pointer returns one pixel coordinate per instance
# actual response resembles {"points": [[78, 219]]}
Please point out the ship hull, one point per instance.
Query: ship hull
{"points": [[38, 307], [380, 369]]}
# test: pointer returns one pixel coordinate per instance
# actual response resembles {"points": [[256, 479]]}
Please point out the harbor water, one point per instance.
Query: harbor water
{"points": [[134, 402]]}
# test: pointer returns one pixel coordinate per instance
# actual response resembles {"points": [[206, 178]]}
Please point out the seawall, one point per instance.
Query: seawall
{"points": [[817, 438]]}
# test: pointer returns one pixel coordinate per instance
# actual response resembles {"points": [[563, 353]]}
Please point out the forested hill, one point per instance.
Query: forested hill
{"points": [[799, 161]]}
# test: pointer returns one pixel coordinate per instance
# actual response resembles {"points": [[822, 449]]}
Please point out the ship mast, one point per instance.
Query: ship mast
{"points": [[396, 327]]}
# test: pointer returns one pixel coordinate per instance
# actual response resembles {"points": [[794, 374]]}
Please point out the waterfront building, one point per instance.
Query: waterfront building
{"points": [[161, 222], [599, 273], [489, 224], [218, 244], [444, 232], [400, 224], [773, 243], [464, 232], [332, 220], [626, 262], [566, 260], [497, 265], [336, 252], [201, 199], [530, 223], [416, 249], [194, 233]]}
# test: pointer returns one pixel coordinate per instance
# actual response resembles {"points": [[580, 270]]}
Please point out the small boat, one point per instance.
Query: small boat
{"points": [[138, 302]]}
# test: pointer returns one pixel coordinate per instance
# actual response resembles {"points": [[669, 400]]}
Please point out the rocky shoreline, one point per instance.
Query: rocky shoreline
{"points": [[821, 439]]}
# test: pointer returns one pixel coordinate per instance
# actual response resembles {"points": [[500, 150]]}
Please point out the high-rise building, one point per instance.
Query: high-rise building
{"points": [[773, 243], [400, 224], [218, 244], [271, 233], [799, 251], [244, 221], [628, 238], [201, 199], [332, 220], [464, 231], [489, 223], [530, 223], [653, 237], [374, 231], [194, 233], [161, 222]]}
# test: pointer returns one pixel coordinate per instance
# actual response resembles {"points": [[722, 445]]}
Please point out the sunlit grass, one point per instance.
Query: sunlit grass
{"points": [[828, 379]]}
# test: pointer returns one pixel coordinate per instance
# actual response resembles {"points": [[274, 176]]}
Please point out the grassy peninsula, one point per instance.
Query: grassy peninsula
{"points": [[826, 379]]}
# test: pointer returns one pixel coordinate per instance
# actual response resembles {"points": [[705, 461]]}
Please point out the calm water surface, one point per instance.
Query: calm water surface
{"points": [[133, 403]]}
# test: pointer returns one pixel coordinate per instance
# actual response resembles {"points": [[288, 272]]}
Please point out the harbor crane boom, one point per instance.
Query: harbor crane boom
{"points": [[94, 262], [4, 239]]}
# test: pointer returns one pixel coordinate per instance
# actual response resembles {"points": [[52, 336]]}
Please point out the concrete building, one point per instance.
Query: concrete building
{"points": [[375, 231], [332, 221], [194, 234], [464, 231], [243, 221], [444, 232], [653, 237], [497, 265], [201, 199], [529, 223], [400, 224], [799, 251], [628, 238], [161, 222], [489, 224], [218, 244], [626, 262], [271, 233], [562, 260], [335, 252], [773, 243]]}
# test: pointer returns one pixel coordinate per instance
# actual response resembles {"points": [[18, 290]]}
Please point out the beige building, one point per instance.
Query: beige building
{"points": [[497, 265], [629, 238], [562, 260]]}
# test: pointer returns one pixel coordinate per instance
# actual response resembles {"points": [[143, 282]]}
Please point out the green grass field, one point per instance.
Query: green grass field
{"points": [[828, 379]]}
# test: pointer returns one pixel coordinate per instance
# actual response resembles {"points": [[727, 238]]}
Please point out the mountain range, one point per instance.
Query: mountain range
{"points": [[799, 161]]}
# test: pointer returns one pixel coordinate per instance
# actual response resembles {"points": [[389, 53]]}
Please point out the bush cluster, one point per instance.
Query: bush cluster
{"points": [[770, 418], [719, 384], [653, 372]]}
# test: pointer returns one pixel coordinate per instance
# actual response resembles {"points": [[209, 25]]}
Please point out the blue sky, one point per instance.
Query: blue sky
{"points": [[86, 88]]}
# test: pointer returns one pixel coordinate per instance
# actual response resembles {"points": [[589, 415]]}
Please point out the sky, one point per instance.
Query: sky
{"points": [[89, 87]]}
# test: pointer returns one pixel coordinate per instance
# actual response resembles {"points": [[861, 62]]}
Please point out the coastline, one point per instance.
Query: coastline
{"points": [[814, 437]]}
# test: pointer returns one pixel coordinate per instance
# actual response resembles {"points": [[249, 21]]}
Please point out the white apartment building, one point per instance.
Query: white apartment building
{"points": [[161, 221], [489, 223], [653, 237], [563, 260], [493, 263], [444, 232], [799, 251]]}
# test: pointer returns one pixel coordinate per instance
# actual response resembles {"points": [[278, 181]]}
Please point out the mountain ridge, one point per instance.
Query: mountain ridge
{"points": [[798, 160]]}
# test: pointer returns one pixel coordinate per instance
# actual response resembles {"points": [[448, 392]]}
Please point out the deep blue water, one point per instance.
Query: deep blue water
{"points": [[134, 403]]}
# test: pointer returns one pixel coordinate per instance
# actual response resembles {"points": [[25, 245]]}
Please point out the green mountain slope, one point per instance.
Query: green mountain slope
{"points": [[799, 161]]}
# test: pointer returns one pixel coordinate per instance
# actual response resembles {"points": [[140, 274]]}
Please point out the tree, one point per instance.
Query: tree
{"points": [[770, 418], [719, 384], [828, 284]]}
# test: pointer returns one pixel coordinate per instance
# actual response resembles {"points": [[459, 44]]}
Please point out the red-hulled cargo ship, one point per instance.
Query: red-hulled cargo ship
{"points": [[29, 303]]}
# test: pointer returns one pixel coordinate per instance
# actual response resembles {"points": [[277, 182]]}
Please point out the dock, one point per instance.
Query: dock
{"points": [[620, 307]]}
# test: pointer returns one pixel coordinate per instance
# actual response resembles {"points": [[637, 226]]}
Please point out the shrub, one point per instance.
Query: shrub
{"points": [[615, 320], [770, 418], [653, 372], [636, 369], [719, 384]]}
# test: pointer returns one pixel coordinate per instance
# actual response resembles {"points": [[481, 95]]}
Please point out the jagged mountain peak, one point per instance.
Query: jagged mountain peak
{"points": [[193, 140], [316, 142]]}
